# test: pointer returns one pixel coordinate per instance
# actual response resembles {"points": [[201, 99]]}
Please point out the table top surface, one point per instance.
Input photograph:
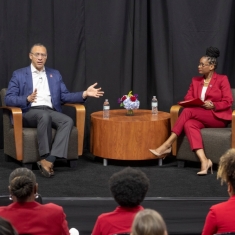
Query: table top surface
{"points": [[139, 115]]}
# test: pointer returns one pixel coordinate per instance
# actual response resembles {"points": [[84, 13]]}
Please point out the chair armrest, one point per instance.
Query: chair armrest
{"points": [[174, 112], [233, 130], [80, 124], [18, 132]]}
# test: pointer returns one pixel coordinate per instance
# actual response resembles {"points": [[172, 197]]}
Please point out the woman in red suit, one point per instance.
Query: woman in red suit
{"points": [[215, 91], [220, 218], [25, 214]]}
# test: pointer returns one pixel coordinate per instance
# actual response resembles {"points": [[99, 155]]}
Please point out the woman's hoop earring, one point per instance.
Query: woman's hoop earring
{"points": [[36, 195], [10, 197]]}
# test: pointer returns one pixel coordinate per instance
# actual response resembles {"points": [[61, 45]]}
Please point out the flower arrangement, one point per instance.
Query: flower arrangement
{"points": [[129, 101]]}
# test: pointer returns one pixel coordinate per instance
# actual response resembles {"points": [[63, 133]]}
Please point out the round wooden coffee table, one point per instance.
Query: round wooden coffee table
{"points": [[124, 137]]}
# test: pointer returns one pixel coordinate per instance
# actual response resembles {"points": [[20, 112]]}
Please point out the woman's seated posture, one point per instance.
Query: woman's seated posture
{"points": [[128, 188], [25, 214], [148, 222], [220, 218], [215, 91]]}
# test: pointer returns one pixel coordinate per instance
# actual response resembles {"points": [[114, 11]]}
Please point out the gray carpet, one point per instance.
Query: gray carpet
{"points": [[90, 178]]}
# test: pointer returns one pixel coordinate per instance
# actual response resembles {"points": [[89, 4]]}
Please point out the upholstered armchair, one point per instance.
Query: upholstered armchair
{"points": [[21, 144], [216, 140]]}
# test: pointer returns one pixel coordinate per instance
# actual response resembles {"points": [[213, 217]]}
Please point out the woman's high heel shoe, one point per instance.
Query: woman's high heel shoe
{"points": [[160, 155], [209, 165]]}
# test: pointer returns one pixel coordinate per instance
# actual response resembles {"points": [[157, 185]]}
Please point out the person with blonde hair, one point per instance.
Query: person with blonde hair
{"points": [[148, 222], [220, 218]]}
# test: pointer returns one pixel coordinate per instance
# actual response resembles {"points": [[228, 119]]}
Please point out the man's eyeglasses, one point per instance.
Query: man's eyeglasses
{"points": [[39, 54], [202, 65]]}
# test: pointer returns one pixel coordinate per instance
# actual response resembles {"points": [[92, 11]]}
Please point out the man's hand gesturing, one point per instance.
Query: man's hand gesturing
{"points": [[33, 97]]}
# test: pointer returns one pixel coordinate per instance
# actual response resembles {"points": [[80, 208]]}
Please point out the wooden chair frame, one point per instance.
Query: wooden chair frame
{"points": [[18, 127]]}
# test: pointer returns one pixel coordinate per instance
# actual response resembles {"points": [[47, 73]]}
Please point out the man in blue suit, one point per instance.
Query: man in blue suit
{"points": [[39, 92]]}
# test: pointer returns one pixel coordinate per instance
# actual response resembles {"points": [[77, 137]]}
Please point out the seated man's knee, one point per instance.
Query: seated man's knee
{"points": [[69, 121], [45, 118]]}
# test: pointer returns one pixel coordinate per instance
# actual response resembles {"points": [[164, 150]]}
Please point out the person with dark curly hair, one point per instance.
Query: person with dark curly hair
{"points": [[220, 218], [216, 112], [148, 222], [128, 187], [28, 216], [6, 228]]}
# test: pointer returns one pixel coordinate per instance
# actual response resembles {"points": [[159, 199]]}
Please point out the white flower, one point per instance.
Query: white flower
{"points": [[128, 104]]}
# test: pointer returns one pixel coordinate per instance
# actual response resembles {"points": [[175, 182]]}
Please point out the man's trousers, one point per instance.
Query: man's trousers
{"points": [[44, 118]]}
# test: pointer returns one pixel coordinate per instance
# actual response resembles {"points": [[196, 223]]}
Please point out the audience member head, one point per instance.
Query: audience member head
{"points": [[148, 222], [226, 170], [22, 185], [129, 187], [6, 228]]}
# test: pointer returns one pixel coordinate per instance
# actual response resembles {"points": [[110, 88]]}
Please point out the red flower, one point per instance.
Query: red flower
{"points": [[133, 98], [123, 98]]}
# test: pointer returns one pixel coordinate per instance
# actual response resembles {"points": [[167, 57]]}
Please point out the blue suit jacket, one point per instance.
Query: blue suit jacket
{"points": [[21, 86]]}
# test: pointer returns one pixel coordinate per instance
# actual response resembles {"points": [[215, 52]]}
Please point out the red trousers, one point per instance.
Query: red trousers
{"points": [[192, 120]]}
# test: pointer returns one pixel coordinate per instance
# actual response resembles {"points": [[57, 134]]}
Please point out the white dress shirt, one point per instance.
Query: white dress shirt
{"points": [[41, 84], [203, 93]]}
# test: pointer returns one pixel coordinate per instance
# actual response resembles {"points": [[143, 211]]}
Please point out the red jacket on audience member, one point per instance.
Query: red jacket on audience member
{"points": [[36, 219], [117, 221], [220, 218]]}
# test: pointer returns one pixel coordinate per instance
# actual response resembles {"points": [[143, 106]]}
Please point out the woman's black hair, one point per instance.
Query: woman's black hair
{"points": [[129, 187], [22, 182], [212, 53]]}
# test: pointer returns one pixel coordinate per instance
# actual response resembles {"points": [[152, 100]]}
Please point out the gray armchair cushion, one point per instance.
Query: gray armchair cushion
{"points": [[215, 140]]}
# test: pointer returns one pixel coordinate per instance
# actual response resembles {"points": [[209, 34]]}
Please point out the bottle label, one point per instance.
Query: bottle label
{"points": [[154, 104], [106, 107]]}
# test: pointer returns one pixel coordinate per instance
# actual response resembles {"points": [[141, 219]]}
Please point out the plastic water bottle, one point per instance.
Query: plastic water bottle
{"points": [[106, 108], [154, 105]]}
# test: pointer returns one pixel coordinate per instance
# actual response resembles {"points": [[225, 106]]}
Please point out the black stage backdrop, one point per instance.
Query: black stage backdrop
{"points": [[151, 47]]}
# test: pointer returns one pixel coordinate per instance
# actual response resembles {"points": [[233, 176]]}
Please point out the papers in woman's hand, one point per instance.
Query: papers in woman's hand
{"points": [[191, 103]]}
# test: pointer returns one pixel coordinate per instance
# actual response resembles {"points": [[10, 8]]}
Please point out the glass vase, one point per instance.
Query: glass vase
{"points": [[129, 112]]}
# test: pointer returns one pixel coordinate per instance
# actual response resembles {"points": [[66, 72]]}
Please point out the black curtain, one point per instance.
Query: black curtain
{"points": [[151, 47]]}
